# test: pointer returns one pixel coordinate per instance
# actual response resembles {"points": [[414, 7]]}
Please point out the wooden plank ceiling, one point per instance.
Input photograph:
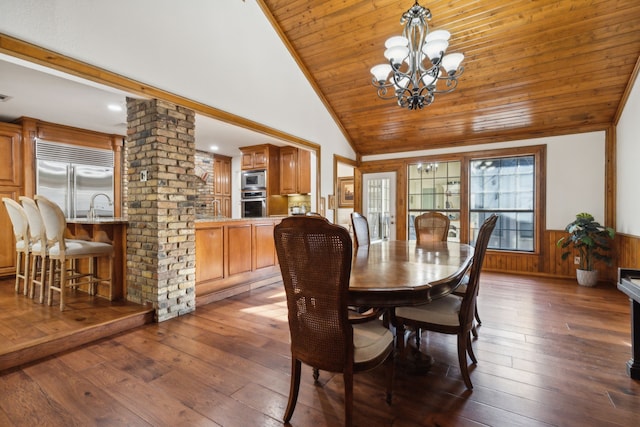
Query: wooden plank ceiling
{"points": [[532, 67]]}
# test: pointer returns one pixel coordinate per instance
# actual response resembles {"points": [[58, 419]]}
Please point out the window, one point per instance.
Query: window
{"points": [[435, 187], [505, 186], [471, 187]]}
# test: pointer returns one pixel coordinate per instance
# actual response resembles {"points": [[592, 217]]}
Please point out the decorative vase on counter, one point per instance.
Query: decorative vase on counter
{"points": [[587, 277]]}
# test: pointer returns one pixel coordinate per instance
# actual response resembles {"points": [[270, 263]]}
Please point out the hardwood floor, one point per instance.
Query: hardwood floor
{"points": [[30, 331], [550, 353]]}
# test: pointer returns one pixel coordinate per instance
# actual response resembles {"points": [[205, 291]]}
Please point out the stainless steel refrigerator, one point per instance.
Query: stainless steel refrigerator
{"points": [[70, 176]]}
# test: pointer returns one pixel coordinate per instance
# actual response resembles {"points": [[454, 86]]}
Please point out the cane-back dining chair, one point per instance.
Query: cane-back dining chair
{"points": [[62, 250], [315, 261], [452, 314], [20, 225], [431, 227]]}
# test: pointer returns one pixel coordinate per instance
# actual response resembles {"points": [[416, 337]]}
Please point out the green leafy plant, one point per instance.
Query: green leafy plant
{"points": [[590, 239]]}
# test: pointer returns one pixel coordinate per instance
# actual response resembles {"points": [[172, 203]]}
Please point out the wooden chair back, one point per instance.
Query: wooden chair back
{"points": [[431, 227], [360, 229], [468, 308], [315, 261]]}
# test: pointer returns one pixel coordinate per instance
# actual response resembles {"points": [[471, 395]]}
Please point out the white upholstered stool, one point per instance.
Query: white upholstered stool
{"points": [[21, 232], [62, 250]]}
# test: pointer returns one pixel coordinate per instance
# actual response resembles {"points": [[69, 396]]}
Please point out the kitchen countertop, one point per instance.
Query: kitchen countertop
{"points": [[225, 219], [198, 219], [101, 220]]}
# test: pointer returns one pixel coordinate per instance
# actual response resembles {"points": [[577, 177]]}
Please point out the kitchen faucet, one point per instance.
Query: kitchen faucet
{"points": [[92, 211]]}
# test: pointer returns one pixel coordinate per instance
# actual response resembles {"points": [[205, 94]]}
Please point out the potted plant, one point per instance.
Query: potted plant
{"points": [[592, 242]]}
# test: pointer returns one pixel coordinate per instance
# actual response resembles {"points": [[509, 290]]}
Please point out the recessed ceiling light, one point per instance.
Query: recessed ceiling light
{"points": [[213, 148], [114, 107]]}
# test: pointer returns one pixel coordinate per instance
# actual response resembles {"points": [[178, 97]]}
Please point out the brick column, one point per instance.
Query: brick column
{"points": [[161, 233]]}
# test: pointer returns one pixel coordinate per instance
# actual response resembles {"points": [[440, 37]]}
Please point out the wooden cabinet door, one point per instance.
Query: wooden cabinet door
{"points": [[7, 239], [226, 207], [209, 254], [303, 171], [247, 160], [238, 240], [288, 175], [264, 246], [260, 158], [225, 183], [217, 176], [10, 161], [221, 176]]}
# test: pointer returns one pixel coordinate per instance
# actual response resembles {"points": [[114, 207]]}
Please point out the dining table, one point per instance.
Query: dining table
{"points": [[393, 273]]}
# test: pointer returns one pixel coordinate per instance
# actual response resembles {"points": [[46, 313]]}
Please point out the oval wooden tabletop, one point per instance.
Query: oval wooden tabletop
{"points": [[399, 272]]}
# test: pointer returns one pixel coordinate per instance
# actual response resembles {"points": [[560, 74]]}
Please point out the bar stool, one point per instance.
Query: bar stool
{"points": [[62, 250], [39, 248], [21, 231]]}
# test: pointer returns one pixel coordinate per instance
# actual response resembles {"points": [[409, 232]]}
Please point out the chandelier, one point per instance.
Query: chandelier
{"points": [[418, 67]]}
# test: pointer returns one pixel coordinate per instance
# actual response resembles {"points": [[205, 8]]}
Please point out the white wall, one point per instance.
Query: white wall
{"points": [[628, 163], [575, 177], [253, 77], [574, 174]]}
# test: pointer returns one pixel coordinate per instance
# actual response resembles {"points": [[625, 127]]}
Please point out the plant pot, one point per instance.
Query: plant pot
{"points": [[587, 277]]}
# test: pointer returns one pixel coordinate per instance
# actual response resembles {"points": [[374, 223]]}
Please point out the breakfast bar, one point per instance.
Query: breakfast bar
{"points": [[107, 230]]}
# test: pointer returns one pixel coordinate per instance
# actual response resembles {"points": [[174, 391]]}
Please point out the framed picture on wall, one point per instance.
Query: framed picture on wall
{"points": [[345, 192]]}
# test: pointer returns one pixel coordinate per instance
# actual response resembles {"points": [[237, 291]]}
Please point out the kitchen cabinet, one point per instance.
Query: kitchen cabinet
{"points": [[295, 166], [10, 187], [267, 157], [222, 184], [233, 256], [256, 157]]}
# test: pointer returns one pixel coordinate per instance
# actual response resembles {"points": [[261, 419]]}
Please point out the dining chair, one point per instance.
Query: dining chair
{"points": [[451, 314], [315, 261], [62, 250], [360, 229], [431, 227], [20, 225], [460, 291], [39, 247]]}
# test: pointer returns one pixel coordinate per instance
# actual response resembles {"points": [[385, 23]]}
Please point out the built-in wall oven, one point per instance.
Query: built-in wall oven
{"points": [[254, 203]]}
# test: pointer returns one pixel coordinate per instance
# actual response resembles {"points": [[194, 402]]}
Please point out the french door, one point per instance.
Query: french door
{"points": [[379, 204]]}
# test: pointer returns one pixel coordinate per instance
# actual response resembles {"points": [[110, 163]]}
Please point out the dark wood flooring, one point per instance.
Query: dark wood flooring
{"points": [[550, 353]]}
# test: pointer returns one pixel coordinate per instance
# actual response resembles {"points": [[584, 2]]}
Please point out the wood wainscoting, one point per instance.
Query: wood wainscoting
{"points": [[548, 260]]}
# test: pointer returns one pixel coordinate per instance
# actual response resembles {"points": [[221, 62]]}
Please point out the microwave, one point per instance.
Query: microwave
{"points": [[254, 179]]}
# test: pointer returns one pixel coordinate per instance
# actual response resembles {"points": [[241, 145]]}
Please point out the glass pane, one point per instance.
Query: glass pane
{"points": [[434, 186], [505, 186]]}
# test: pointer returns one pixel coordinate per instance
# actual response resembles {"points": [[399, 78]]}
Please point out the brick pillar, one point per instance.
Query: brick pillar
{"points": [[161, 233]]}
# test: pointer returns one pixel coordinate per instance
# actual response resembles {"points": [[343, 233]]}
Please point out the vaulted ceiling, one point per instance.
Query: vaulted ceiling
{"points": [[532, 68]]}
